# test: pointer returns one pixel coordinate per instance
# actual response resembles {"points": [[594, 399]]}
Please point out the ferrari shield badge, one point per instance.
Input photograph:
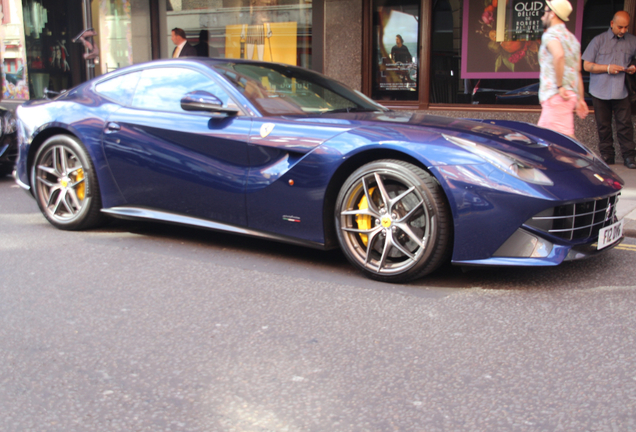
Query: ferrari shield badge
{"points": [[266, 129]]}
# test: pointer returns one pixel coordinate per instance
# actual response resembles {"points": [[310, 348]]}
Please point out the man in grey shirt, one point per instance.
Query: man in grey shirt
{"points": [[607, 59]]}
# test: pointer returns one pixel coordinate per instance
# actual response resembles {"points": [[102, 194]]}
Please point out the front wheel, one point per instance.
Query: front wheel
{"points": [[65, 184], [393, 221]]}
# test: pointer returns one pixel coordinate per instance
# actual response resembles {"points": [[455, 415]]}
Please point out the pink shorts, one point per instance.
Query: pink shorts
{"points": [[558, 114]]}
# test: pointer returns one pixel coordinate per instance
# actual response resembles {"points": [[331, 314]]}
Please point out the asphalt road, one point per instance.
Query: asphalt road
{"points": [[148, 327]]}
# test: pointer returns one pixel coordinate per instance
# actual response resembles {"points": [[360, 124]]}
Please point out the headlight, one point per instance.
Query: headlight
{"points": [[505, 162]]}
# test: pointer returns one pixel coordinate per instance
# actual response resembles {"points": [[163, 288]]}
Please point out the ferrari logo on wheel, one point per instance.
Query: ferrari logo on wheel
{"points": [[386, 221]]}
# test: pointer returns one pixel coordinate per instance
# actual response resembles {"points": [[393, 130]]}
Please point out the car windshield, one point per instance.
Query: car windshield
{"points": [[277, 89]]}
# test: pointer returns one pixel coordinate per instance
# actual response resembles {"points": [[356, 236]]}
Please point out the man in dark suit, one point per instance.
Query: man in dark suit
{"points": [[183, 48]]}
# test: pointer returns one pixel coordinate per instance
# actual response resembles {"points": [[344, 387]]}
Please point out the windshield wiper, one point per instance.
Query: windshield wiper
{"points": [[349, 109]]}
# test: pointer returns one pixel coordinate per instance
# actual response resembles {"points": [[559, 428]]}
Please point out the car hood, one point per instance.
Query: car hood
{"points": [[542, 148], [480, 130]]}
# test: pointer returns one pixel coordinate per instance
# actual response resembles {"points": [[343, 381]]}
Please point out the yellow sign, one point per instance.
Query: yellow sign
{"points": [[277, 42]]}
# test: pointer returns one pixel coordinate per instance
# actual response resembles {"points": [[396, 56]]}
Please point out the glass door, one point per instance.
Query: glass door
{"points": [[123, 33]]}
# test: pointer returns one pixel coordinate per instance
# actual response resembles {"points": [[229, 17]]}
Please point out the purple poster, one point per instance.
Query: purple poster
{"points": [[501, 38]]}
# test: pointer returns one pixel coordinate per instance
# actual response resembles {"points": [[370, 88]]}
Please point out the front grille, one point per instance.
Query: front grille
{"points": [[576, 221]]}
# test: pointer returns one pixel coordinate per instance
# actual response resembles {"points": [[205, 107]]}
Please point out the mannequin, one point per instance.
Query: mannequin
{"points": [[255, 33]]}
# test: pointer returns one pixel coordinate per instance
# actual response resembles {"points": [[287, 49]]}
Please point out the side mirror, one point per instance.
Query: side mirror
{"points": [[200, 100]]}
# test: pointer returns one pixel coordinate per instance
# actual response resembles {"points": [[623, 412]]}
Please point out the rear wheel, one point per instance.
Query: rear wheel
{"points": [[65, 184], [393, 221]]}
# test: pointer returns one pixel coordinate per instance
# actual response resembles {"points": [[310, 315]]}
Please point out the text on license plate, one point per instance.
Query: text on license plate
{"points": [[610, 234]]}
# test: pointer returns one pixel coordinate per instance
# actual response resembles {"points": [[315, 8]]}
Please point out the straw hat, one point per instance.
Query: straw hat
{"points": [[562, 8]]}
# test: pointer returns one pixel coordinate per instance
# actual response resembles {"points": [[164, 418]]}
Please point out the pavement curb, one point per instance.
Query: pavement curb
{"points": [[629, 229]]}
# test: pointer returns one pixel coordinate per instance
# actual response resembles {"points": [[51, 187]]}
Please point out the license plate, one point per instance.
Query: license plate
{"points": [[610, 234]]}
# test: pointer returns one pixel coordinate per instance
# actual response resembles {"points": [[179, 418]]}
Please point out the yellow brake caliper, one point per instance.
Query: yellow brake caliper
{"points": [[364, 221], [81, 188]]}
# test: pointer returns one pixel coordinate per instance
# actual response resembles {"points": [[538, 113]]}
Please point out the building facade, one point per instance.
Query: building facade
{"points": [[468, 58]]}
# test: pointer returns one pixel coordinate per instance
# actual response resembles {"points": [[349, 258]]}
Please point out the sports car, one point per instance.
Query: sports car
{"points": [[284, 153]]}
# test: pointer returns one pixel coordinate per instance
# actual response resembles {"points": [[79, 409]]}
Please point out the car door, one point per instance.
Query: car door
{"points": [[167, 159]]}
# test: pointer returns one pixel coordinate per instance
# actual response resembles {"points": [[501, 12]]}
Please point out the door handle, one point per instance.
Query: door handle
{"points": [[112, 127]]}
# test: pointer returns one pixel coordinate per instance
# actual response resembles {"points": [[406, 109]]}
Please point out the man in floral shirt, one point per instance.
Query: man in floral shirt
{"points": [[561, 87]]}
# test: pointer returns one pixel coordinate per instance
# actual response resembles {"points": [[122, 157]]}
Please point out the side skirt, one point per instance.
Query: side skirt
{"points": [[137, 213]]}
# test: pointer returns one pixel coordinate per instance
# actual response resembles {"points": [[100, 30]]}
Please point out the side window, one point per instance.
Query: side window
{"points": [[162, 88], [120, 89]]}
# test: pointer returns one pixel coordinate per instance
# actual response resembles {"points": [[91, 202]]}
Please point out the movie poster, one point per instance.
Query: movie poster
{"points": [[396, 35], [501, 38]]}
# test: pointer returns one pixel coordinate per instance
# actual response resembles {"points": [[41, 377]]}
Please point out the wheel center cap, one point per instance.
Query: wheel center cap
{"points": [[64, 182], [386, 221]]}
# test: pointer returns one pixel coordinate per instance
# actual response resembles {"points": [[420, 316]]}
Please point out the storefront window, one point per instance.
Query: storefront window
{"points": [[269, 30], [475, 59], [123, 33], [597, 16], [395, 49], [53, 61], [12, 51]]}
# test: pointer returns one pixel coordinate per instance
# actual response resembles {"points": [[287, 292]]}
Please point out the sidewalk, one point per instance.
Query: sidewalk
{"points": [[627, 200]]}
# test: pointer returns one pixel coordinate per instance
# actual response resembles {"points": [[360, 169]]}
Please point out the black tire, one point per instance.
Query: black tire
{"points": [[65, 185], [405, 232]]}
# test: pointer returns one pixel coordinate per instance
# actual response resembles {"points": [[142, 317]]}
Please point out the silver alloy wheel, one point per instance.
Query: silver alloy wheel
{"points": [[399, 227], [392, 221], [61, 183]]}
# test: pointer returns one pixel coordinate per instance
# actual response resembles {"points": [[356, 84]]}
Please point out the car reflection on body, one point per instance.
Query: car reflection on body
{"points": [[8, 142], [284, 153]]}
